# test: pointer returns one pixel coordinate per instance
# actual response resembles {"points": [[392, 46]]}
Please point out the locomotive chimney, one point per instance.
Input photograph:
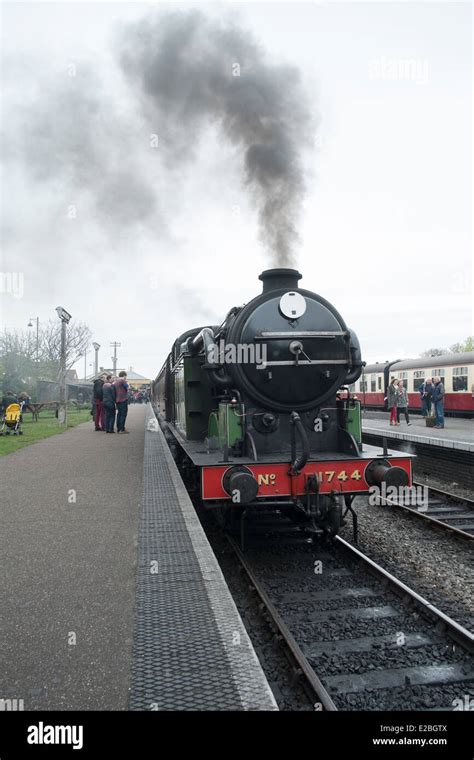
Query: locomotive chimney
{"points": [[274, 279]]}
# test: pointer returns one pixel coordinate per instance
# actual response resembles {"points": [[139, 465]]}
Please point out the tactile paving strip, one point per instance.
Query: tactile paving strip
{"points": [[191, 650]]}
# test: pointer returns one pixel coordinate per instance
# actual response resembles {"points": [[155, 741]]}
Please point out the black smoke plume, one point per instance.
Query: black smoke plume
{"points": [[197, 71]]}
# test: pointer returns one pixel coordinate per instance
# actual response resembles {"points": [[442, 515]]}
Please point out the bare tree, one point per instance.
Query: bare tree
{"points": [[19, 367], [465, 345], [78, 337], [434, 352], [456, 348], [17, 343], [20, 363]]}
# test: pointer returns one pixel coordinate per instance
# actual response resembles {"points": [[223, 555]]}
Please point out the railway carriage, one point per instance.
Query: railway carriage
{"points": [[258, 412], [455, 370]]}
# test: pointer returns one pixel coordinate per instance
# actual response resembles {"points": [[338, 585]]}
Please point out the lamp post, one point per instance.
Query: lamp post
{"points": [[64, 316], [30, 324], [96, 365]]}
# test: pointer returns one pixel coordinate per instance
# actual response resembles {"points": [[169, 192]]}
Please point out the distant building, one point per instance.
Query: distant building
{"points": [[136, 380]]}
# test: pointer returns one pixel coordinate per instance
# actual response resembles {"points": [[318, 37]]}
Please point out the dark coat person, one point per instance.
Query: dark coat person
{"points": [[99, 417], [108, 400], [438, 401], [426, 394], [392, 400]]}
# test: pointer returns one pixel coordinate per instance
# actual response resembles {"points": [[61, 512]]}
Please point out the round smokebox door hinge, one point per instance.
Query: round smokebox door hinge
{"points": [[292, 305]]}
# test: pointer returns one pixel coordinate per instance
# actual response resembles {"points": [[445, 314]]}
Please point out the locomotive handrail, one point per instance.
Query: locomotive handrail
{"points": [[293, 362], [302, 334]]}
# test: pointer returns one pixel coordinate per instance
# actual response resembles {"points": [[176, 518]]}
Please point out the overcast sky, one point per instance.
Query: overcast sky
{"points": [[142, 245]]}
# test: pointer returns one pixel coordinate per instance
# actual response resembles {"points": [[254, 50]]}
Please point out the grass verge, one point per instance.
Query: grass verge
{"points": [[46, 426]]}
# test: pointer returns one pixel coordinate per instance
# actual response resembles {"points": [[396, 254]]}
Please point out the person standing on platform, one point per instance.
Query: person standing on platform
{"points": [[426, 393], [438, 400], [109, 396], [99, 416], [121, 390], [392, 400], [402, 403]]}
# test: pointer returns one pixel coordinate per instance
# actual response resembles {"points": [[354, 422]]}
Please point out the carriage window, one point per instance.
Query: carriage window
{"points": [[373, 383], [460, 379], [363, 386], [380, 383], [352, 387], [418, 378], [438, 373], [404, 376]]}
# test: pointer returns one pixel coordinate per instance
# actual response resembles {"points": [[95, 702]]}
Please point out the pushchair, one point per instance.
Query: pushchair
{"points": [[12, 420]]}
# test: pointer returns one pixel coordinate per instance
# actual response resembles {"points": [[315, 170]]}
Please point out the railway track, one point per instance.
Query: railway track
{"points": [[359, 638], [443, 510]]}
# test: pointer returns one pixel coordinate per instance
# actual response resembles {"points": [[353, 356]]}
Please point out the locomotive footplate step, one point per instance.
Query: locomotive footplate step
{"points": [[191, 650]]}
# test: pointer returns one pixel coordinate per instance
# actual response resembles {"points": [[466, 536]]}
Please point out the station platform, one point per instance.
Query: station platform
{"points": [[86, 625], [457, 433], [191, 649], [446, 454]]}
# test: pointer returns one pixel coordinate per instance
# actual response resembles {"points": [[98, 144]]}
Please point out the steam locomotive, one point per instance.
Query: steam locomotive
{"points": [[258, 412]]}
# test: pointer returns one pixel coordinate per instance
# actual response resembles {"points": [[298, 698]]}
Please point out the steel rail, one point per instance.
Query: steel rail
{"points": [[462, 635], [457, 530], [450, 627], [286, 634]]}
